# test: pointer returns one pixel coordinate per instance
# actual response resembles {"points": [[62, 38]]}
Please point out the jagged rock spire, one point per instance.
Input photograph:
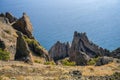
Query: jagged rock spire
{"points": [[24, 25]]}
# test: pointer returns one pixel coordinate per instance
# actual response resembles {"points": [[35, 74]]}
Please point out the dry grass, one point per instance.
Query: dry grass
{"points": [[23, 71]]}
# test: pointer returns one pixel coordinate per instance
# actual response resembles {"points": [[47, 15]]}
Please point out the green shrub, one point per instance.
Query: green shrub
{"points": [[66, 62], [49, 63], [37, 61], [4, 55], [93, 61], [33, 44]]}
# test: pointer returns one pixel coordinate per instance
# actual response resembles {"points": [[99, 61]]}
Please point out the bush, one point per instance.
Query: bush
{"points": [[34, 45], [66, 62], [37, 61], [93, 61], [4, 55], [49, 63]]}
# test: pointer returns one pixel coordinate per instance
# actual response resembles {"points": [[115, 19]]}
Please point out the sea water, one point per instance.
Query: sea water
{"points": [[55, 20]]}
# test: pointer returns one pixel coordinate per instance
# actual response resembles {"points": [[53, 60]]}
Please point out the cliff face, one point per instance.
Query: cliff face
{"points": [[16, 34], [59, 50]]}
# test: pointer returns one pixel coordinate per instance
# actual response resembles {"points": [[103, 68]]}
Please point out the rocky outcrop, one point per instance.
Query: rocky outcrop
{"points": [[80, 51], [104, 60], [23, 52], [24, 25], [81, 58], [7, 18], [10, 17], [81, 43], [8, 37], [116, 53], [36, 48], [59, 50], [4, 20]]}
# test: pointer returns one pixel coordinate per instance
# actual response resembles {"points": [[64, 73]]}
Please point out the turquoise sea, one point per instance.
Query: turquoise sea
{"points": [[55, 20]]}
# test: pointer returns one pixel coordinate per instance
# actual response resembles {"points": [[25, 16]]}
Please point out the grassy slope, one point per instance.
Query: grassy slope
{"points": [[15, 70]]}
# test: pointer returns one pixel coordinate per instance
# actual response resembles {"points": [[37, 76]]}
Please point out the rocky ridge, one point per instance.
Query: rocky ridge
{"points": [[18, 38], [82, 50]]}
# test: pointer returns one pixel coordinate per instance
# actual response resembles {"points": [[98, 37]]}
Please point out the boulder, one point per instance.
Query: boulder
{"points": [[23, 52], [81, 58], [75, 73], [24, 25], [59, 50], [104, 60]]}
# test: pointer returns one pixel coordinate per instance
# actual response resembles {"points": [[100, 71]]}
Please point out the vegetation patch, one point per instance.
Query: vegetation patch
{"points": [[4, 55], [37, 61], [49, 63], [34, 45], [67, 62], [93, 61]]}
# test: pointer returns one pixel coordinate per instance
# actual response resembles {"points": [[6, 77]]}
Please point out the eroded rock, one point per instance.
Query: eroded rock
{"points": [[10, 17], [81, 58], [104, 60], [22, 52], [116, 53], [24, 25], [82, 43], [59, 50]]}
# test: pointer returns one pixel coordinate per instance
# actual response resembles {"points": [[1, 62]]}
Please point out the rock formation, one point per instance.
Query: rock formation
{"points": [[3, 19], [81, 43], [36, 48], [104, 60], [116, 53], [24, 25], [7, 18], [26, 47], [59, 50], [8, 36], [81, 58], [22, 51], [10, 17], [80, 51]]}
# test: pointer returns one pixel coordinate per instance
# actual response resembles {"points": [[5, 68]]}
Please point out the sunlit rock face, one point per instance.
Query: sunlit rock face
{"points": [[24, 25]]}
